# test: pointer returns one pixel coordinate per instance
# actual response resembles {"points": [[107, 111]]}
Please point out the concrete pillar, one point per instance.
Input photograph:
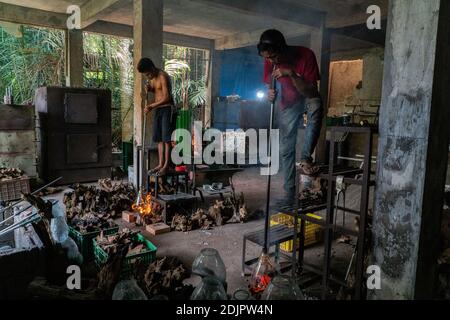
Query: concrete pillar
{"points": [[320, 44], [213, 85], [413, 149], [126, 77], [74, 58], [148, 42], [209, 94]]}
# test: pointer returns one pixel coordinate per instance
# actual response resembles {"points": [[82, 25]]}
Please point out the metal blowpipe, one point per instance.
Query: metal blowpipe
{"points": [[19, 201]]}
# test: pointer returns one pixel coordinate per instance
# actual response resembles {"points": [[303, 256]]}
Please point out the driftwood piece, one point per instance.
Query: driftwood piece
{"points": [[109, 275], [125, 238], [181, 223], [216, 212], [165, 276], [201, 220], [231, 210], [90, 208]]}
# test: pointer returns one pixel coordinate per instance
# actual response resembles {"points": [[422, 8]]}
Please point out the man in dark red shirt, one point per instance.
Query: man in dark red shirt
{"points": [[297, 75]]}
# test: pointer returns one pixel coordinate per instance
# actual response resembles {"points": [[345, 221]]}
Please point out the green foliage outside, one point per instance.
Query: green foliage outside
{"points": [[32, 57]]}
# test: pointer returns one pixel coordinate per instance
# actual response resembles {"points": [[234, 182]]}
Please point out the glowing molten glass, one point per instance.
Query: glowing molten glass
{"points": [[260, 284], [262, 275]]}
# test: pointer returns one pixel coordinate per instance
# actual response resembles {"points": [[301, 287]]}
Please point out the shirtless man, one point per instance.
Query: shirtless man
{"points": [[159, 83]]}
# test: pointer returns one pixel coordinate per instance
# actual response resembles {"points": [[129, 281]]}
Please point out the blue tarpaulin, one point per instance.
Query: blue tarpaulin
{"points": [[242, 73]]}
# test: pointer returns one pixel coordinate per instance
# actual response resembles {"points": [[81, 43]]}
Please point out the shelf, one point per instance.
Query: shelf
{"points": [[277, 234], [316, 270], [345, 173], [355, 129], [335, 228], [311, 209], [350, 211], [357, 182]]}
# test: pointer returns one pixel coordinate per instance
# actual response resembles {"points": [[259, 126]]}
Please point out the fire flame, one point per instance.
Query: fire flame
{"points": [[145, 207]]}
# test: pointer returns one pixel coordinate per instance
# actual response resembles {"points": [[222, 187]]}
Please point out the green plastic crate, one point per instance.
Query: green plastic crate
{"points": [[147, 257], [84, 241]]}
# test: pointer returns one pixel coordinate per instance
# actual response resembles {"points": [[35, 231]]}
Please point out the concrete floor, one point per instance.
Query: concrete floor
{"points": [[228, 238]]}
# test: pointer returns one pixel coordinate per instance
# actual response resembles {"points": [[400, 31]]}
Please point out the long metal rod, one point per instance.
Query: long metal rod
{"points": [[33, 193], [26, 221], [269, 177], [143, 165], [364, 207], [15, 215], [355, 159], [295, 236], [329, 219]]}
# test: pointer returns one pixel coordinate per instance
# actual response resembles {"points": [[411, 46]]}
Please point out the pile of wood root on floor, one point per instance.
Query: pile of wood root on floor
{"points": [[232, 210], [91, 208], [164, 277]]}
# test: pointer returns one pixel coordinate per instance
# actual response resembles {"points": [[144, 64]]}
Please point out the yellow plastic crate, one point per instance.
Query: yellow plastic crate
{"points": [[313, 232]]}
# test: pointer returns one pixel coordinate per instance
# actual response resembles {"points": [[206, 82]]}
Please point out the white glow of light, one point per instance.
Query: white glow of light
{"points": [[260, 95]]}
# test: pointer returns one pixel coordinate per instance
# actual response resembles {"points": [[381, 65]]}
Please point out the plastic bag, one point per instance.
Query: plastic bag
{"points": [[58, 225], [128, 290], [72, 251]]}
